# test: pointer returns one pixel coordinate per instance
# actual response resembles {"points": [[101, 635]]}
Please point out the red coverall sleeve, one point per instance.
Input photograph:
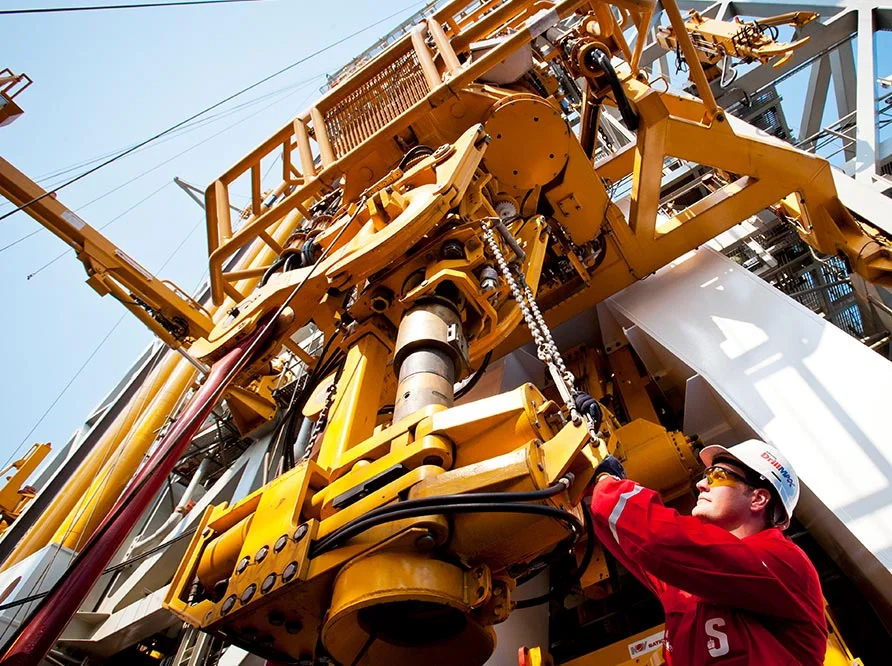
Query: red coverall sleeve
{"points": [[652, 540]]}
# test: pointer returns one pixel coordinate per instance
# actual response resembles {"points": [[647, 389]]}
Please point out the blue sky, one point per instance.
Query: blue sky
{"points": [[105, 81]]}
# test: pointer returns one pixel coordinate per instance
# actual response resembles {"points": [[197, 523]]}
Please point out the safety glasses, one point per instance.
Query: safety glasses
{"points": [[719, 476]]}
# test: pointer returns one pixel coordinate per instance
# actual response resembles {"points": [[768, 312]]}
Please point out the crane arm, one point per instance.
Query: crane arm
{"points": [[165, 309]]}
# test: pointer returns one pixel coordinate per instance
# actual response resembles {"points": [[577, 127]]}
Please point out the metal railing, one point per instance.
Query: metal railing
{"points": [[342, 128], [840, 135]]}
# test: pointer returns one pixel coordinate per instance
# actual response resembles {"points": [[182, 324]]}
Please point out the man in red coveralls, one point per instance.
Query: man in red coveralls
{"points": [[734, 589]]}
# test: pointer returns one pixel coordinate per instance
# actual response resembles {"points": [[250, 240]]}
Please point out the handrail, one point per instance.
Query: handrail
{"points": [[309, 134], [8, 81]]}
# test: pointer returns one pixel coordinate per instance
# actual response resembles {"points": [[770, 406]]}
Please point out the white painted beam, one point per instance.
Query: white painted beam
{"points": [[815, 98], [866, 135]]}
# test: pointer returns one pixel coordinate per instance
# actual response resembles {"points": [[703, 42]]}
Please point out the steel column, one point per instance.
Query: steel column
{"points": [[866, 133]]}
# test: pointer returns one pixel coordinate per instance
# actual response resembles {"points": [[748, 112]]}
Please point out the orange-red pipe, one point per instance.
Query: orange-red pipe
{"points": [[42, 629]]}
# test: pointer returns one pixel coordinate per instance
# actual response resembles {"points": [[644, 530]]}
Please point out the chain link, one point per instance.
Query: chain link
{"points": [[322, 421], [546, 348]]}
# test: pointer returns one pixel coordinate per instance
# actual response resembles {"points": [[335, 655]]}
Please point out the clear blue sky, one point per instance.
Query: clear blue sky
{"points": [[104, 81]]}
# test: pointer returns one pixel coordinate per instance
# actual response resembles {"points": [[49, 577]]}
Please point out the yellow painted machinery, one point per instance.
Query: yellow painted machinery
{"points": [[720, 43], [15, 495], [435, 210]]}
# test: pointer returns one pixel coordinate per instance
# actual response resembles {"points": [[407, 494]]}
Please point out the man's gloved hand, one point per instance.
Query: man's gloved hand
{"points": [[611, 466], [588, 406]]}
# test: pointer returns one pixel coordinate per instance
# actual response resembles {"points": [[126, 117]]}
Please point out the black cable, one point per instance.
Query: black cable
{"points": [[268, 273], [427, 505], [143, 5], [259, 338], [471, 382], [203, 111], [590, 541], [577, 572], [361, 525], [364, 524], [415, 152], [111, 569]]}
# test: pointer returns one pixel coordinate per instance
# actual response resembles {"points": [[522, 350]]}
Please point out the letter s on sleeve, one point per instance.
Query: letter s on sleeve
{"points": [[718, 640]]}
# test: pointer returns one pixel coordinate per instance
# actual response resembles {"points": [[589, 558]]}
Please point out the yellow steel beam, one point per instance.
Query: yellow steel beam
{"points": [[167, 312], [355, 411]]}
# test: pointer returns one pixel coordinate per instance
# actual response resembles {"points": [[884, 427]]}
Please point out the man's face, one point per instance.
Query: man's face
{"points": [[728, 503]]}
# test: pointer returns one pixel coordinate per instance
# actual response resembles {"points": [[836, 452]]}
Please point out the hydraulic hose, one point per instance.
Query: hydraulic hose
{"points": [[276, 265], [466, 386], [466, 503], [352, 529], [597, 59], [578, 571]]}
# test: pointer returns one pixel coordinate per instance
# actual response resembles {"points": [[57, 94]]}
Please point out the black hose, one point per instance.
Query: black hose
{"points": [[351, 530], [596, 58], [445, 504], [276, 265], [589, 544], [294, 261], [413, 153], [577, 572], [590, 134], [308, 251], [471, 382]]}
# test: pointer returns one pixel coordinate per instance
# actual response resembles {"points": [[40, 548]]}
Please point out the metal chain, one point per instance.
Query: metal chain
{"points": [[322, 421], [546, 348]]}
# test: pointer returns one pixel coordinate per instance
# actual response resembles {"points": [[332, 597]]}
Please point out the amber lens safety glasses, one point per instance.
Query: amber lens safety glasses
{"points": [[719, 476]]}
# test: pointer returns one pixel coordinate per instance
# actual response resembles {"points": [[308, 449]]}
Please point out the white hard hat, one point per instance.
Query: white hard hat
{"points": [[768, 463]]}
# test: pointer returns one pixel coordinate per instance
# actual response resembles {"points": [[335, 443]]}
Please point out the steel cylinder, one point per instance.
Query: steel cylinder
{"points": [[221, 556], [430, 352], [426, 378]]}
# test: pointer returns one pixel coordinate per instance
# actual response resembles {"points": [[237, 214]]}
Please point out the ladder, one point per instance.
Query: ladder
{"points": [[198, 649]]}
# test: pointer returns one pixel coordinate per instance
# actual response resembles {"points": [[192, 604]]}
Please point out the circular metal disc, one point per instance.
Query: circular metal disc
{"points": [[530, 141]]}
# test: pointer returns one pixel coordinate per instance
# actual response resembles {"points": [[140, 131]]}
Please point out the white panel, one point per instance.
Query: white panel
{"points": [[710, 417], [35, 574], [797, 380]]}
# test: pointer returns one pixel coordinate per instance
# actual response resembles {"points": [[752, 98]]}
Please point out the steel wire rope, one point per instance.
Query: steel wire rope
{"points": [[258, 339], [208, 109], [107, 224], [182, 400], [141, 5], [187, 129], [202, 280], [129, 408], [154, 168], [112, 457], [104, 339]]}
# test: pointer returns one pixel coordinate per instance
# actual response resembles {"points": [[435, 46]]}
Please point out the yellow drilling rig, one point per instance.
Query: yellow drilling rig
{"points": [[436, 210]]}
